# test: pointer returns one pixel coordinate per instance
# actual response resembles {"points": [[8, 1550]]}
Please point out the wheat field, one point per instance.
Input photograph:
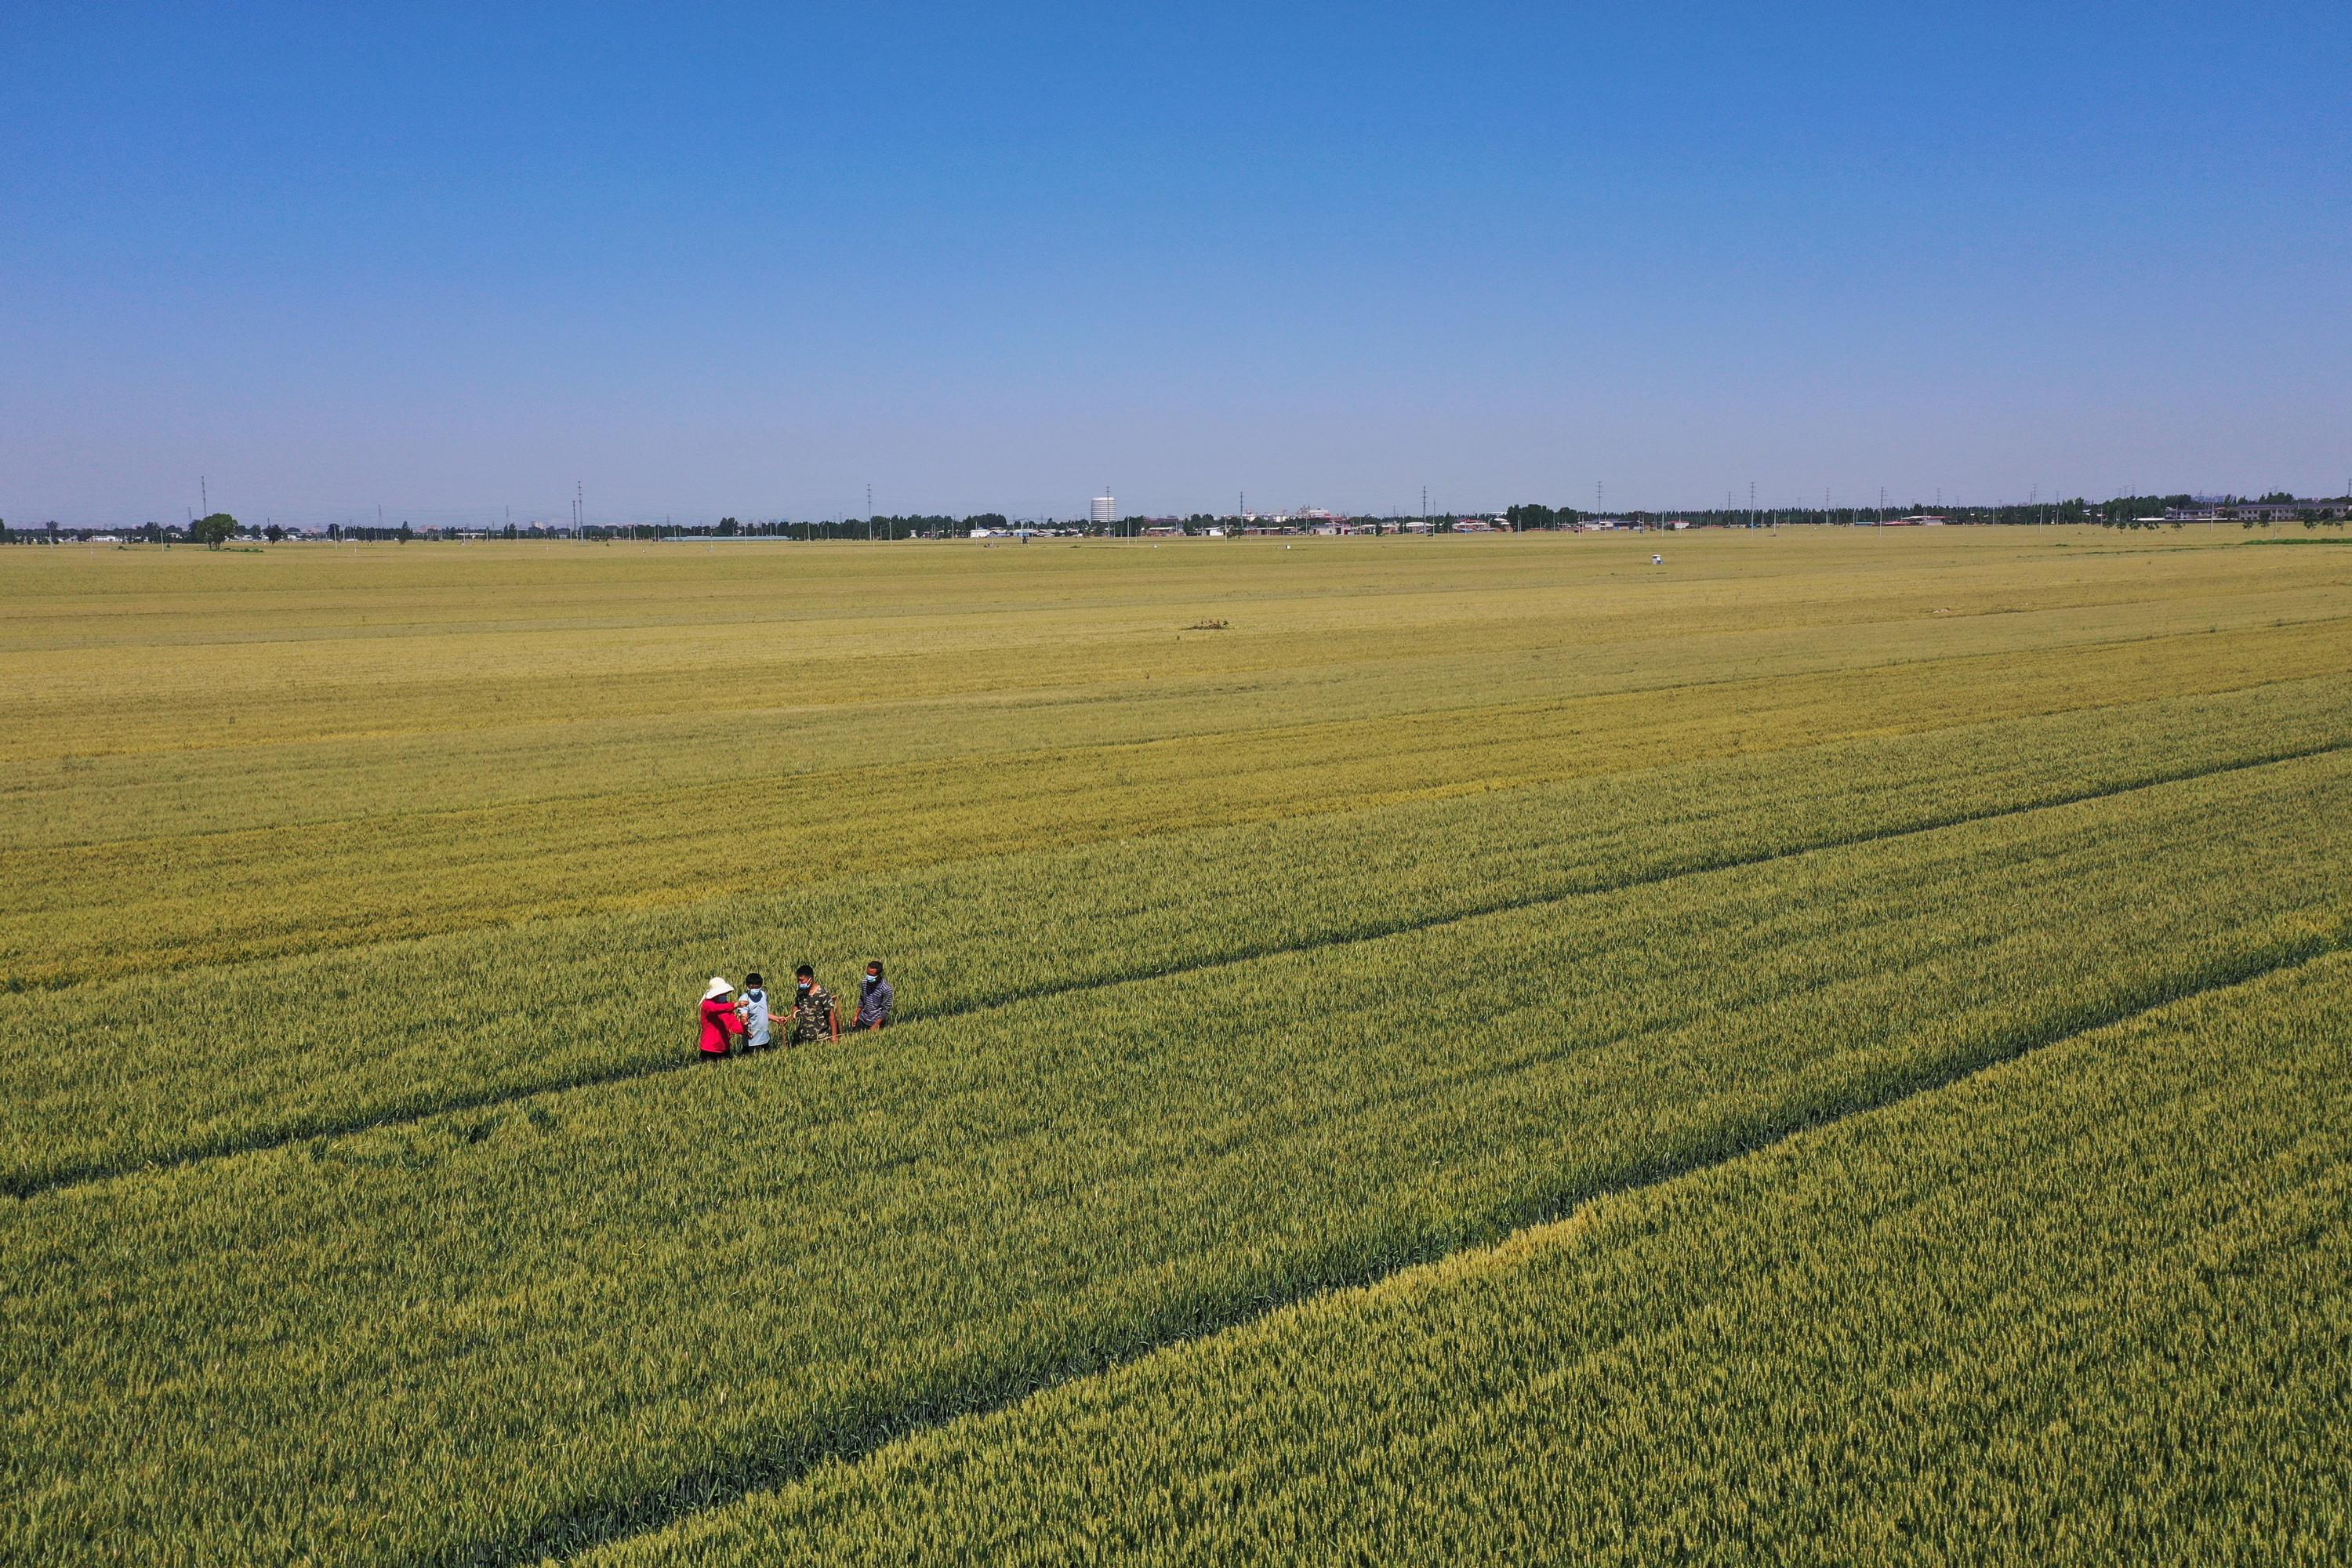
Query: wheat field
{"points": [[1828, 1049]]}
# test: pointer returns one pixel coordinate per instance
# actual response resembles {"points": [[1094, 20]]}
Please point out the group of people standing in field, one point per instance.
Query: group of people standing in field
{"points": [[747, 1022]]}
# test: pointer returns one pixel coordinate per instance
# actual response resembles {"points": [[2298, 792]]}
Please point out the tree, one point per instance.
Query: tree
{"points": [[273, 533], [215, 530]]}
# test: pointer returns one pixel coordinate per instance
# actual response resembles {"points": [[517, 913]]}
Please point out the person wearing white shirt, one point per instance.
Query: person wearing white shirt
{"points": [[753, 1007]]}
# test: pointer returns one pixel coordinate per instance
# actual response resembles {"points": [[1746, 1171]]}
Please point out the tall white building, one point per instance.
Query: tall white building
{"points": [[1106, 510]]}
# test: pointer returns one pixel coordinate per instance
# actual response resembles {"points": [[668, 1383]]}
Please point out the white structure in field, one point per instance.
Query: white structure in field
{"points": [[1106, 508]]}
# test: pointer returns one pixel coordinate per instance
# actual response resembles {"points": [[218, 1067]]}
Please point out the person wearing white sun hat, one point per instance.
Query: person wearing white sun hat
{"points": [[720, 1023]]}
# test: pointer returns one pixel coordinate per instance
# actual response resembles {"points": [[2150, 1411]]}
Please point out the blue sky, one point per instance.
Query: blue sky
{"points": [[751, 258]]}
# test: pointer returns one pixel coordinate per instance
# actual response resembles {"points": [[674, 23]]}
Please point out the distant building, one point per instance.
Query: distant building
{"points": [[1106, 511], [2258, 510]]}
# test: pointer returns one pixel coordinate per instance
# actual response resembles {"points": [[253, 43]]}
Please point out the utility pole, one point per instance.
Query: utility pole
{"points": [[203, 495], [869, 512]]}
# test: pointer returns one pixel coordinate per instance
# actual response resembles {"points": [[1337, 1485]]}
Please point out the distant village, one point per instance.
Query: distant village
{"points": [[1104, 521]]}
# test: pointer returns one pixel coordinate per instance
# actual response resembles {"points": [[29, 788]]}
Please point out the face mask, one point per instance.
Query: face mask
{"points": [[806, 984]]}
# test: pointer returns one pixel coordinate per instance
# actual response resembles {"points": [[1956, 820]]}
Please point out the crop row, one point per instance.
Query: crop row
{"points": [[2088, 1308], [503, 1329], [206, 1060], [93, 910]]}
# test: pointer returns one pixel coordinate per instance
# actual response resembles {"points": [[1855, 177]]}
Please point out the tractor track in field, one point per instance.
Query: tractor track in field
{"points": [[25, 1186], [182, 960], [564, 1537]]}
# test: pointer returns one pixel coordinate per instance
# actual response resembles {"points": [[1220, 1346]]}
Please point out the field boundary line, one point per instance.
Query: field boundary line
{"points": [[95, 1173], [564, 1537]]}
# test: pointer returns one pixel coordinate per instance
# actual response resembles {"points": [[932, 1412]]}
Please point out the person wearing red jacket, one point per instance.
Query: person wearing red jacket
{"points": [[720, 1023]]}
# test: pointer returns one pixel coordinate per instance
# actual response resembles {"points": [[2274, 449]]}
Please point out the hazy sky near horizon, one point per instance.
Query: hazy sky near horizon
{"points": [[750, 258]]}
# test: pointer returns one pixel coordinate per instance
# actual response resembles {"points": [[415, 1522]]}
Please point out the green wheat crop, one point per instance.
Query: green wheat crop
{"points": [[364, 1205], [471, 1329], [486, 1015], [2088, 1308]]}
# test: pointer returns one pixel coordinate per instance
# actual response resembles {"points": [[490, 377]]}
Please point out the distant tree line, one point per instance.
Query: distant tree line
{"points": [[2121, 512], [2118, 512]]}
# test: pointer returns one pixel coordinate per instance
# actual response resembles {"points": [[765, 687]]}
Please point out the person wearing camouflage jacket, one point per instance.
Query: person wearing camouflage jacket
{"points": [[815, 1018]]}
